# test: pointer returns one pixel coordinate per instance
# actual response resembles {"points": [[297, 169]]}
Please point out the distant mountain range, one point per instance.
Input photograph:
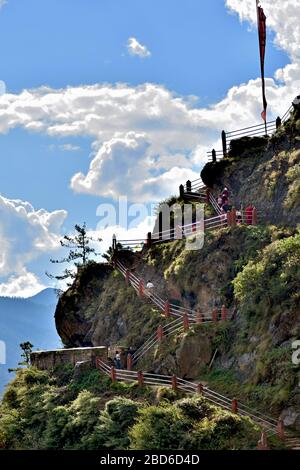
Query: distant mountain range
{"points": [[30, 319]]}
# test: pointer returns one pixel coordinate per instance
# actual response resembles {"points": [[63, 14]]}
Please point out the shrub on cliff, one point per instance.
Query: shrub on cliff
{"points": [[270, 283], [191, 424], [111, 430]]}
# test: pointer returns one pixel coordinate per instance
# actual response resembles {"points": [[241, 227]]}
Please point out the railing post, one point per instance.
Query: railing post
{"points": [[114, 264], [199, 318], [167, 309], [114, 242], [186, 323], [160, 225], [263, 443], [160, 333], [127, 276], [224, 313], [188, 186], [129, 361], [214, 155], [181, 191], [229, 219], [254, 216], [280, 429], [207, 195], [215, 314], [224, 143], [278, 122], [234, 406], [113, 374], [174, 382], [200, 389], [233, 217], [149, 239], [140, 377], [141, 288]]}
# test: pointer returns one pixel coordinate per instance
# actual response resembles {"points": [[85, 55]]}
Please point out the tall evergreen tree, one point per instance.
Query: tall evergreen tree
{"points": [[80, 251]]}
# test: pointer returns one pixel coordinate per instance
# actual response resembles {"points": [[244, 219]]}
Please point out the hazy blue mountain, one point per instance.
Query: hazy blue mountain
{"points": [[45, 297], [30, 319]]}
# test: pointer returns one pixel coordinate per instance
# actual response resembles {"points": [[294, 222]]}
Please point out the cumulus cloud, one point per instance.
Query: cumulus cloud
{"points": [[145, 135], [25, 284], [134, 47], [172, 128], [65, 147], [25, 234], [282, 17], [124, 166]]}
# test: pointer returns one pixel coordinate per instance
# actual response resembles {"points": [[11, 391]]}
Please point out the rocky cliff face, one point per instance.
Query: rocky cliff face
{"points": [[99, 310], [254, 271], [264, 172]]}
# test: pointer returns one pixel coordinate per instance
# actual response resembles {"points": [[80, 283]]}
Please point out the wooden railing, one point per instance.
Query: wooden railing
{"points": [[257, 130], [163, 305], [267, 423]]}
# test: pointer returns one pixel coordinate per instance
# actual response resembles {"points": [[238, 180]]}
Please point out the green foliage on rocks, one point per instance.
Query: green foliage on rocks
{"points": [[38, 411], [191, 424], [270, 283]]}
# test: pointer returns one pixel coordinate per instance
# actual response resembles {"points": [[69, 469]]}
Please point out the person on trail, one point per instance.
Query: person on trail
{"points": [[149, 288], [117, 360], [220, 200], [225, 192], [149, 285], [226, 207], [239, 218], [131, 351]]}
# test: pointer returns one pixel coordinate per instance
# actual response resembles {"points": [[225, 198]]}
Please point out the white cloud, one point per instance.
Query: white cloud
{"points": [[70, 148], [25, 284], [282, 18], [124, 166], [25, 234], [65, 147], [146, 134], [134, 47]]}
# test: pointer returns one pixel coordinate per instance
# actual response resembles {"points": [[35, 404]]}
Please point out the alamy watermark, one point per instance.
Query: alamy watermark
{"points": [[2, 352], [175, 221]]}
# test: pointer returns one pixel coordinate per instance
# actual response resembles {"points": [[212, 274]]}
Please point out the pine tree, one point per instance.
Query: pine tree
{"points": [[27, 349], [79, 253]]}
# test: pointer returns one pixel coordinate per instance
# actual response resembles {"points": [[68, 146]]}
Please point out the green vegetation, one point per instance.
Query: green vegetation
{"points": [[293, 177], [270, 283], [191, 424], [50, 411]]}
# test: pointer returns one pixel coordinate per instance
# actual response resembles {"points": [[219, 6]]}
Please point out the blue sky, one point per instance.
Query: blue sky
{"points": [[197, 49]]}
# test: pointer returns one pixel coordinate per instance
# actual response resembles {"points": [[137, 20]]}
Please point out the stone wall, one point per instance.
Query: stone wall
{"points": [[50, 359]]}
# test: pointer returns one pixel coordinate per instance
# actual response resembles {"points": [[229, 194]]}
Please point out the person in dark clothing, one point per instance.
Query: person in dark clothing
{"points": [[225, 192], [117, 360]]}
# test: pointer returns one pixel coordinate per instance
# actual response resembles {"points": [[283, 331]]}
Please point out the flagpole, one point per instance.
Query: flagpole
{"points": [[257, 2]]}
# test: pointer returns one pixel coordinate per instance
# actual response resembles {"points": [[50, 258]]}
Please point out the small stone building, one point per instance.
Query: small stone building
{"points": [[47, 360]]}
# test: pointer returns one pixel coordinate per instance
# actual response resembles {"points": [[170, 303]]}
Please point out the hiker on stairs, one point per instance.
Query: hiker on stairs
{"points": [[149, 288], [117, 360]]}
